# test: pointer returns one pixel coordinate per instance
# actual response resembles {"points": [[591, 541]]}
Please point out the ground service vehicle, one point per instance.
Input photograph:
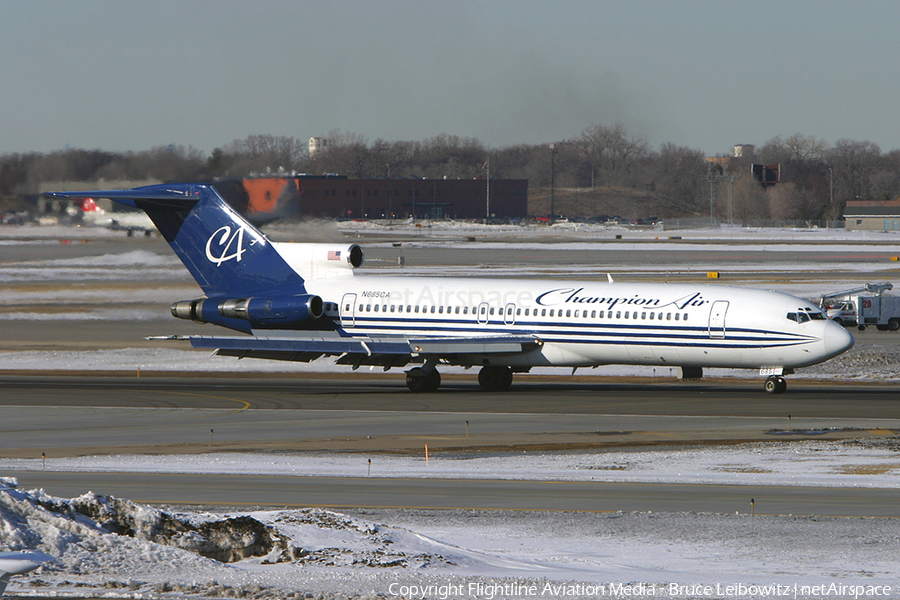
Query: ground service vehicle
{"points": [[881, 311]]}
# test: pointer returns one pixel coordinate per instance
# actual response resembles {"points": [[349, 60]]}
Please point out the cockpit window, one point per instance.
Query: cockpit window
{"points": [[814, 313], [804, 315]]}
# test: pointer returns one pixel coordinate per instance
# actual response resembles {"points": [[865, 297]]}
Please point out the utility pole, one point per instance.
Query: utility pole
{"points": [[487, 165], [552, 183], [831, 186], [713, 176], [731, 199], [390, 199]]}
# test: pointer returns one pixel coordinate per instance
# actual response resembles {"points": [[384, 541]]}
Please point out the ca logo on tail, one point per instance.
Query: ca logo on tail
{"points": [[226, 241]]}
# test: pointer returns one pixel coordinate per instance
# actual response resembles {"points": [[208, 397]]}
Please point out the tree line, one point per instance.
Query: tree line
{"points": [[604, 170]]}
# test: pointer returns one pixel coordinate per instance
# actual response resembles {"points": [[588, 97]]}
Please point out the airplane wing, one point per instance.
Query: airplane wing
{"points": [[383, 351]]}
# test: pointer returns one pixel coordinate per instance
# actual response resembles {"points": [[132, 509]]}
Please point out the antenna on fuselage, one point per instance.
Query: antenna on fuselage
{"points": [[609, 276]]}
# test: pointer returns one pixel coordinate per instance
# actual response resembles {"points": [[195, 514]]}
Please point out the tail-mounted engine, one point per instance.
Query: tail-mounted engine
{"points": [[314, 261], [277, 310]]}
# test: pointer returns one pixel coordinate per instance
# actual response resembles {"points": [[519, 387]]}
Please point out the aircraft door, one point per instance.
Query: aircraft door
{"points": [[717, 319], [483, 313], [348, 310], [509, 314]]}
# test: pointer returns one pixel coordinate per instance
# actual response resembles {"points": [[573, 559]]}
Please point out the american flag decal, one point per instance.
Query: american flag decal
{"points": [[334, 255]]}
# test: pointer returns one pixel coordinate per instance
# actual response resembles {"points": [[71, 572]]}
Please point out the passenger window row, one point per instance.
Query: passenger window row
{"points": [[528, 312]]}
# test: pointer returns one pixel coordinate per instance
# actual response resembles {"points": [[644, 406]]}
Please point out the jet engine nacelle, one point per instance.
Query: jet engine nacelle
{"points": [[281, 309], [276, 310], [314, 261]]}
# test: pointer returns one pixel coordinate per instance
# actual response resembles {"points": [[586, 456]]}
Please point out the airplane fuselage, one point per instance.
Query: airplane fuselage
{"points": [[587, 323]]}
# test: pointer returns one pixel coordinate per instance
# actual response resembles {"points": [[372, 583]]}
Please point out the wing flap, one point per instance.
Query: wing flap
{"points": [[468, 345], [308, 348], [318, 345]]}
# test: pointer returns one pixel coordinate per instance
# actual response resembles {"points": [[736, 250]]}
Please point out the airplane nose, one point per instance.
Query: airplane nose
{"points": [[836, 339]]}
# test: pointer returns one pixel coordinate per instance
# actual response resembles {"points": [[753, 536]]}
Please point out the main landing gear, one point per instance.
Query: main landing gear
{"points": [[420, 379], [491, 379], [495, 379], [775, 384]]}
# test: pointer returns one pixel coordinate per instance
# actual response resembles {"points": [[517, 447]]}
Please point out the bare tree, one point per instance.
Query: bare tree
{"points": [[750, 200], [676, 180], [853, 164], [612, 152], [789, 201]]}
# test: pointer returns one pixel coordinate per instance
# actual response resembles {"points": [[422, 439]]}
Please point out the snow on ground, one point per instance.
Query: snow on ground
{"points": [[117, 548], [867, 463]]}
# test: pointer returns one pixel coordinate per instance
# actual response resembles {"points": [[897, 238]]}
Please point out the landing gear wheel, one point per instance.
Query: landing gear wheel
{"points": [[417, 380], [495, 379], [775, 385]]}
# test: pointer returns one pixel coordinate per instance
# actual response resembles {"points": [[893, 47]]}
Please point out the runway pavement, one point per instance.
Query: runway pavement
{"points": [[64, 416], [85, 416], [243, 491]]}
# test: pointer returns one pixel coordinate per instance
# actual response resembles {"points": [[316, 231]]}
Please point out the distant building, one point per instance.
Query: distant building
{"points": [[317, 144], [336, 197], [872, 215], [744, 150], [741, 151]]}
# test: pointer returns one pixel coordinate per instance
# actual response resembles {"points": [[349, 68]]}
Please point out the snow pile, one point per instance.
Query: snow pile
{"points": [[109, 543], [115, 548]]}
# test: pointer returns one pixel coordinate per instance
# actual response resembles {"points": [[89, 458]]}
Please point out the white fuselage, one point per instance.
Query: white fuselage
{"points": [[587, 323]]}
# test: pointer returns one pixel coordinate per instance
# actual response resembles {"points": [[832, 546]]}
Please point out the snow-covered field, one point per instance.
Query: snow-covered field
{"points": [[112, 547]]}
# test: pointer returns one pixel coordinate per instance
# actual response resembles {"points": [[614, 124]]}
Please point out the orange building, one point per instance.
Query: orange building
{"points": [[337, 197]]}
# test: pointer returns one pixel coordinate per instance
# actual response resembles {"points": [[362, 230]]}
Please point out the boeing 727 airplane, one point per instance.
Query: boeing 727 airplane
{"points": [[302, 301]]}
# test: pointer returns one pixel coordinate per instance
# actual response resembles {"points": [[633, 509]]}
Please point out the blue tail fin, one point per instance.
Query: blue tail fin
{"points": [[224, 253]]}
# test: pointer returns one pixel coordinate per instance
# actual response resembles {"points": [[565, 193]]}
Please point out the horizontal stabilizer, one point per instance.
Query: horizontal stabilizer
{"points": [[161, 197]]}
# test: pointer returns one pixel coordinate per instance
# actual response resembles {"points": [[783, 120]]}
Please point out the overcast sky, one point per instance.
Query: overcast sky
{"points": [[130, 75]]}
